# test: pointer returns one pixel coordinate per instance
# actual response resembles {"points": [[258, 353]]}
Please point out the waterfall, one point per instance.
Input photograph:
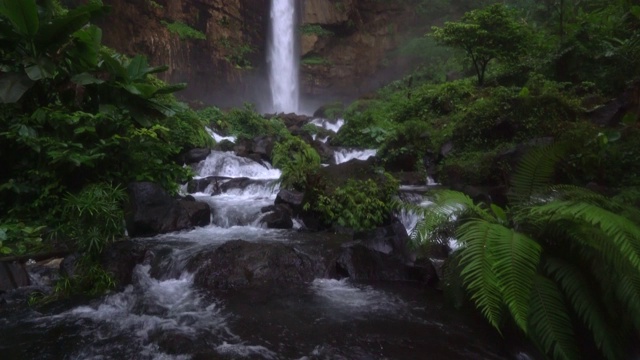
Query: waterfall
{"points": [[283, 57]]}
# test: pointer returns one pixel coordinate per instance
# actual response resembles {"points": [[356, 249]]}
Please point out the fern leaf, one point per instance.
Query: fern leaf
{"points": [[549, 322], [585, 304], [517, 257], [624, 233], [477, 269], [534, 173]]}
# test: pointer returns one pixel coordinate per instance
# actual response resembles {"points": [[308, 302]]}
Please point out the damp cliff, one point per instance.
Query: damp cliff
{"points": [[219, 46]]}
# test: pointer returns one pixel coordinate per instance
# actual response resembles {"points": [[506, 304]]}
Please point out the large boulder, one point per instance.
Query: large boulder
{"points": [[360, 262], [12, 276], [152, 211], [240, 264], [121, 257], [294, 199], [278, 217], [391, 240], [194, 156]]}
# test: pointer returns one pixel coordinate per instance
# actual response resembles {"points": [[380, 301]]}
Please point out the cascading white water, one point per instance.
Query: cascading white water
{"points": [[283, 58]]}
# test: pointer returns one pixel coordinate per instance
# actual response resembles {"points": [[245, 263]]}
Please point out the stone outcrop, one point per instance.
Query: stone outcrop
{"points": [[223, 66], [356, 46], [152, 211]]}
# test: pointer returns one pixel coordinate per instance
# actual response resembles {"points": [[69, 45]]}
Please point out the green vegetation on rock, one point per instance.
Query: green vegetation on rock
{"points": [[183, 30]]}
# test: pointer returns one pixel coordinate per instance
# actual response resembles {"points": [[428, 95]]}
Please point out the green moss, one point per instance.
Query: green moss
{"points": [[314, 60], [184, 31], [315, 29]]}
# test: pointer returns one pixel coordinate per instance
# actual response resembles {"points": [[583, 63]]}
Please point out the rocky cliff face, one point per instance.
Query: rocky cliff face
{"points": [[345, 44]]}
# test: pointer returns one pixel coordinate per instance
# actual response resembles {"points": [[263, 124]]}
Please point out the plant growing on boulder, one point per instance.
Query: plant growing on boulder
{"points": [[297, 160], [561, 259], [359, 204]]}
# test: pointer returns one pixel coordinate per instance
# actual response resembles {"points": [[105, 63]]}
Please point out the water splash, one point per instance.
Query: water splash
{"points": [[220, 163], [344, 155], [283, 57]]}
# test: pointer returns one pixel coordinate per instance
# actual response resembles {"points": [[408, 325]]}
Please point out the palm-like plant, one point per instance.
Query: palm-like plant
{"points": [[559, 260]]}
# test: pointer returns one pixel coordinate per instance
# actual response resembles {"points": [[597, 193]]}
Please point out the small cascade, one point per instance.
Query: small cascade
{"points": [[220, 163], [344, 155], [328, 124], [283, 57], [218, 138]]}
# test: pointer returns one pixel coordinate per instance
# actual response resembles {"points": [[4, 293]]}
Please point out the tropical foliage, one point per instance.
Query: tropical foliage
{"points": [[297, 160], [559, 261], [78, 122], [484, 34]]}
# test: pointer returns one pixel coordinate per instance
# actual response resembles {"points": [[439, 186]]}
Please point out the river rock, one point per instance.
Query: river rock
{"points": [[121, 257], [241, 264], [12, 276], [391, 240], [291, 198], [152, 211], [194, 156], [263, 146], [279, 217]]}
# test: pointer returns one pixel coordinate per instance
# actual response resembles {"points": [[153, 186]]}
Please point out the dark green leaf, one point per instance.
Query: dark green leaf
{"points": [[23, 14], [13, 86]]}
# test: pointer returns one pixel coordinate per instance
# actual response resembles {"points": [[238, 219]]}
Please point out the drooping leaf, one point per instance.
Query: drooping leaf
{"points": [[13, 86], [86, 79], [23, 14], [171, 88], [60, 29]]}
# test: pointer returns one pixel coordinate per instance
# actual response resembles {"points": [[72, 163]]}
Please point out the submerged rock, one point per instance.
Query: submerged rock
{"points": [[239, 264]]}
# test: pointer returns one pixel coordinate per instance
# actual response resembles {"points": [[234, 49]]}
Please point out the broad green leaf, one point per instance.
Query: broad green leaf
{"points": [[171, 88], [58, 30], [41, 69], [23, 14], [137, 68], [88, 46], [86, 79], [13, 86], [140, 89]]}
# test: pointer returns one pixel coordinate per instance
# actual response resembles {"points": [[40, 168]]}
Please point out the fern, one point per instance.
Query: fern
{"points": [[477, 269], [534, 173], [549, 323], [576, 288]]}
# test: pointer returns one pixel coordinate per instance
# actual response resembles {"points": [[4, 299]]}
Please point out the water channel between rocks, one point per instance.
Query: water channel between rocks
{"points": [[163, 315]]}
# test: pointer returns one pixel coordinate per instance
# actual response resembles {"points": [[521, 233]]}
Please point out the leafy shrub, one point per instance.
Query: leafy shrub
{"points": [[297, 160], [247, 123], [359, 204], [94, 216]]}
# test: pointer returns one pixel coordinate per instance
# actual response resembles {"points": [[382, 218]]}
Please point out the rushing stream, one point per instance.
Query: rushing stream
{"points": [[163, 315]]}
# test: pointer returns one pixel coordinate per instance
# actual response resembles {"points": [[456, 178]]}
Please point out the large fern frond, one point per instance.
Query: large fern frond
{"points": [[549, 323], [624, 233], [534, 173], [517, 257], [590, 310], [447, 207], [477, 269]]}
